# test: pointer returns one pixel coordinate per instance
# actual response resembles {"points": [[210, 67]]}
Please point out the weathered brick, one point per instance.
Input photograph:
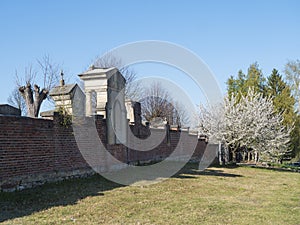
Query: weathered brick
{"points": [[35, 151]]}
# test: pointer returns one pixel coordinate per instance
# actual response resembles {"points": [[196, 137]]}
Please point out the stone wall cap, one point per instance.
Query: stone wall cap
{"points": [[49, 113], [7, 109], [3, 105], [96, 71], [62, 90]]}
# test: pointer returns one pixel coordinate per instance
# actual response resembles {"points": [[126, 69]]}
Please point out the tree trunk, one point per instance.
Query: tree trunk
{"points": [[226, 155], [244, 156], [220, 154], [234, 157], [33, 104], [256, 156]]}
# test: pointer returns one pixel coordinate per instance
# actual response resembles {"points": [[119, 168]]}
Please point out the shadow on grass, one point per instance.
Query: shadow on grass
{"points": [[278, 169], [26, 202], [191, 170]]}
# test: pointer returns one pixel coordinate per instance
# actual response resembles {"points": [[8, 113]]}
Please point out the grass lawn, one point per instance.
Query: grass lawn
{"points": [[238, 195]]}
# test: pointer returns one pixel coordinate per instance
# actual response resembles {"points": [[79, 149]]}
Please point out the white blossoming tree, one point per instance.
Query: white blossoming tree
{"points": [[250, 123]]}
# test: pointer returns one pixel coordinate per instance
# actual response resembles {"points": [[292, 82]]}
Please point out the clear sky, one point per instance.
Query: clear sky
{"points": [[226, 35]]}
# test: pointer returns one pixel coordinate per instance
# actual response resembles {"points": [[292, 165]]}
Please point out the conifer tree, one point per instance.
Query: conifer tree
{"points": [[283, 100], [240, 86], [255, 79]]}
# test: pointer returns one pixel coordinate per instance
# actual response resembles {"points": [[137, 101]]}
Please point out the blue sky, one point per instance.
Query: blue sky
{"points": [[226, 35]]}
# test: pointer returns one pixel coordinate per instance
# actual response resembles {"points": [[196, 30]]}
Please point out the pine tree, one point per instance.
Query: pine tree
{"points": [[283, 100], [295, 139], [240, 86], [255, 79], [231, 86]]}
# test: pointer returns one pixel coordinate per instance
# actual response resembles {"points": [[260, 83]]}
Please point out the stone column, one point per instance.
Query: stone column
{"points": [[111, 136], [124, 125], [88, 103], [101, 101]]}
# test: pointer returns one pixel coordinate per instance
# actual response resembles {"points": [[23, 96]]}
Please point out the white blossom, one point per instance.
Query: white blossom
{"points": [[250, 122]]}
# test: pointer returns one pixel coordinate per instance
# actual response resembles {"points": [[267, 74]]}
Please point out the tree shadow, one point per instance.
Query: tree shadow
{"points": [[26, 202], [191, 170], [278, 169], [218, 173]]}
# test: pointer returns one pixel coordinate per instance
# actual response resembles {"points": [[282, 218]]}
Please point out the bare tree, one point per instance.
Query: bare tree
{"points": [[157, 102], [16, 100], [31, 92], [132, 88], [181, 118]]}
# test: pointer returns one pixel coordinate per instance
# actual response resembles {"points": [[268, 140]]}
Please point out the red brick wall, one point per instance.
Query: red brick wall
{"points": [[37, 150], [30, 147]]}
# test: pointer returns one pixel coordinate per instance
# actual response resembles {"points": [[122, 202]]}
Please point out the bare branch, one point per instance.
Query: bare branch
{"points": [[49, 71], [31, 92], [132, 88], [16, 99], [157, 102]]}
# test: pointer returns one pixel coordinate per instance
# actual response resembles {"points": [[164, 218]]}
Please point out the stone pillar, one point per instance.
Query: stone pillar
{"points": [[111, 137], [109, 85], [101, 102], [116, 122], [88, 103], [116, 112], [120, 123], [133, 112], [124, 126]]}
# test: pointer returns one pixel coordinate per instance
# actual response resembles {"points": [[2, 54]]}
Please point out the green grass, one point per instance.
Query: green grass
{"points": [[238, 195]]}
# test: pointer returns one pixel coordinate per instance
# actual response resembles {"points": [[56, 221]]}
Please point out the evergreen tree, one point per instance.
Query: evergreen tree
{"points": [[240, 86], [231, 86], [295, 139], [283, 100], [255, 79], [241, 80]]}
